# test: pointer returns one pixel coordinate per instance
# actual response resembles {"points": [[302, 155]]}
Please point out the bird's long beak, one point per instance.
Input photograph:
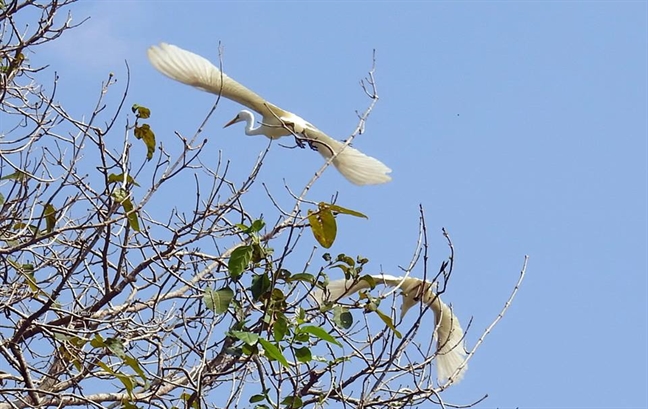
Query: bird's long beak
{"points": [[232, 122]]}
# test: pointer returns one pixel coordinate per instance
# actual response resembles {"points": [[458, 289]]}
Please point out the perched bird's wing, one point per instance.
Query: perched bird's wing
{"points": [[192, 69], [451, 354]]}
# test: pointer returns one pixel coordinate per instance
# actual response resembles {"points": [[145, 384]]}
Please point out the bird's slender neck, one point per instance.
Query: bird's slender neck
{"points": [[250, 129]]}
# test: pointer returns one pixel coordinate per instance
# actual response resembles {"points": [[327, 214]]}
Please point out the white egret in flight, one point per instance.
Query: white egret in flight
{"points": [[194, 70], [451, 354]]}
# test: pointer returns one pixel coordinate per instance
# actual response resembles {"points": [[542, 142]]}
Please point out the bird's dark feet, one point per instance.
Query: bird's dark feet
{"points": [[300, 141]]}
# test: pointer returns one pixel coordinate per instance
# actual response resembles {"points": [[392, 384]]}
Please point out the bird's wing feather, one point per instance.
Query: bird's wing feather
{"points": [[354, 165], [192, 69], [451, 355]]}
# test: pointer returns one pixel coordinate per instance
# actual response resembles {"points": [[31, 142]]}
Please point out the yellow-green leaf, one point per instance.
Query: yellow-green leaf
{"points": [[292, 402], [119, 178], [49, 214], [145, 133], [256, 398], [31, 282], [323, 226], [388, 321], [121, 195], [343, 210], [135, 365], [140, 111], [106, 368], [17, 175], [307, 277], [127, 381], [97, 341], [219, 300]]}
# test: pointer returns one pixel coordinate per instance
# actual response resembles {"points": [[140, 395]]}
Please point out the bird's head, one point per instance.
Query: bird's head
{"points": [[244, 115]]}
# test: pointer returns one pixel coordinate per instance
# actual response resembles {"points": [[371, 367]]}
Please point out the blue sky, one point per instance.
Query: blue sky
{"points": [[521, 128]]}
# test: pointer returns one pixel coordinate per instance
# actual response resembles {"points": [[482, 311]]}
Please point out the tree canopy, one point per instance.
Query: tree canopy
{"points": [[114, 297]]}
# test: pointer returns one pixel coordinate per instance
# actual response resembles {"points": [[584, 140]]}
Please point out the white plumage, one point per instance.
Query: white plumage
{"points": [[194, 70], [451, 354]]}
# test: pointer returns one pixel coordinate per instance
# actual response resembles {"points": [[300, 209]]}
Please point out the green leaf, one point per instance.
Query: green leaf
{"points": [[17, 175], [256, 398], [257, 253], [49, 214], [293, 402], [31, 281], [280, 328], [342, 317], [127, 381], [343, 258], [301, 337], [2, 199], [69, 355], [388, 321], [250, 350], [190, 397], [239, 261], [105, 368], [309, 278], [141, 112], [122, 196], [257, 226], [97, 341], [249, 338], [134, 364], [343, 210], [370, 280], [303, 354], [218, 301], [119, 178], [145, 133], [273, 352], [323, 226], [319, 333], [260, 285], [115, 346], [243, 228]]}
